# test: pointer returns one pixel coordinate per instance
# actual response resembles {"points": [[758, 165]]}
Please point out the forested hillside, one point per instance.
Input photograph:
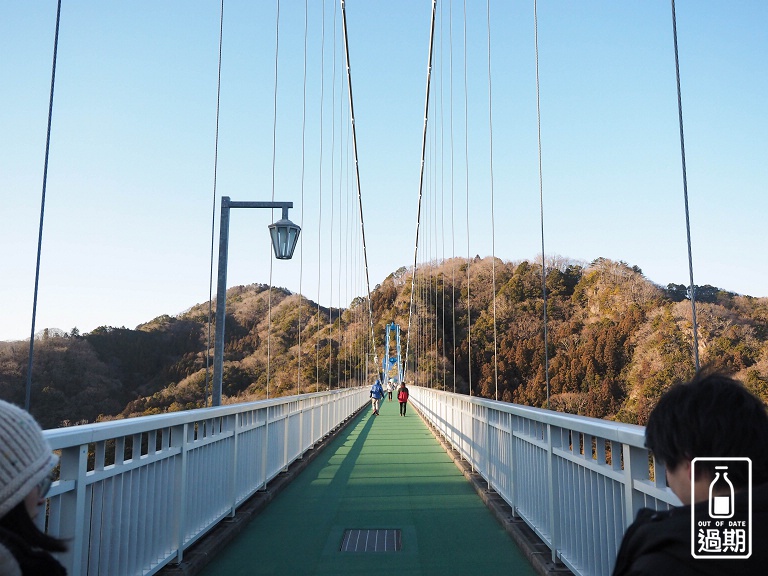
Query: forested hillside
{"points": [[615, 342]]}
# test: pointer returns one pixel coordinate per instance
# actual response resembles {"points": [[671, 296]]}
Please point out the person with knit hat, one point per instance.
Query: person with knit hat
{"points": [[26, 464]]}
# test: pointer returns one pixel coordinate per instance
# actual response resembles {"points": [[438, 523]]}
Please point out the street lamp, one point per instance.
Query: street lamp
{"points": [[285, 235]]}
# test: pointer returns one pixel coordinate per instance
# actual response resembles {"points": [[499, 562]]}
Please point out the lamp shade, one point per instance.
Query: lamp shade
{"points": [[285, 235]]}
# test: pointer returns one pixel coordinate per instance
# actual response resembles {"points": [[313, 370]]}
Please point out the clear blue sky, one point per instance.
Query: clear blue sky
{"points": [[128, 212]]}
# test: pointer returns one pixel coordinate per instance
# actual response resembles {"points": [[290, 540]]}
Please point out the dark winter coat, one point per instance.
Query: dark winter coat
{"points": [[659, 543]]}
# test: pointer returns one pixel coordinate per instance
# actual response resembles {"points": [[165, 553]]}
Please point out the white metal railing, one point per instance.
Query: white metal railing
{"points": [[134, 493], [576, 481]]}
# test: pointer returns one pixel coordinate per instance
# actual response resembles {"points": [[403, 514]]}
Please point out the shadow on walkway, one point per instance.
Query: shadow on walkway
{"points": [[380, 472]]}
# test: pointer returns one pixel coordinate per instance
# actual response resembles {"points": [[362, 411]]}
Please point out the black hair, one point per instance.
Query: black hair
{"points": [[18, 522], [712, 415]]}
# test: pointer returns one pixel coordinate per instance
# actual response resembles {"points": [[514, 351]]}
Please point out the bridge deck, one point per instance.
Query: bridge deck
{"points": [[381, 472]]}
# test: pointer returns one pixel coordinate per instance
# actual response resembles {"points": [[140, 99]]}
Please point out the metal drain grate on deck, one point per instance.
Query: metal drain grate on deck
{"points": [[371, 540]]}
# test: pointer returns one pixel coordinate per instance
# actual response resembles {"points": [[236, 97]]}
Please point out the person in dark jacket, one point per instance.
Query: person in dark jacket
{"points": [[659, 543], [402, 397], [26, 464], [711, 416]]}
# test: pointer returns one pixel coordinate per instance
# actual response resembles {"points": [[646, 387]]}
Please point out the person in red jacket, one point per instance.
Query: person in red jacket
{"points": [[402, 397]]}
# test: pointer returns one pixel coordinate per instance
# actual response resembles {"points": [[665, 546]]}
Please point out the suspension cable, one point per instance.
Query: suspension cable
{"points": [[346, 261], [541, 198], [685, 194], [330, 233], [342, 216], [442, 188], [213, 206], [357, 169], [320, 200], [493, 224], [466, 179], [421, 181], [435, 245], [301, 238], [453, 202], [274, 153], [28, 396]]}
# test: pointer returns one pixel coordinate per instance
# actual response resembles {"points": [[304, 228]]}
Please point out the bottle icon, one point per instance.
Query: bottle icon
{"points": [[721, 495]]}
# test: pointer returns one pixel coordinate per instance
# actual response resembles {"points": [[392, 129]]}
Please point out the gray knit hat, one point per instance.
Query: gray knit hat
{"points": [[25, 456]]}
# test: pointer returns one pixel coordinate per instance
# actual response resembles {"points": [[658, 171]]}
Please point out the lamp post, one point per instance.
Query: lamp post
{"points": [[285, 235]]}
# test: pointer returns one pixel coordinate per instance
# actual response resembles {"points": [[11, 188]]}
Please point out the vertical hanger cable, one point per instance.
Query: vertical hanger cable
{"points": [[301, 238], [692, 290], [357, 171], [466, 181], [493, 222], [213, 209], [541, 200], [421, 180], [274, 154], [320, 202], [28, 396]]}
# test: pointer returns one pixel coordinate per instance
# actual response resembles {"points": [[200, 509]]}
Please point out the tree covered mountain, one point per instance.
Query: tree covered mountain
{"points": [[615, 341]]}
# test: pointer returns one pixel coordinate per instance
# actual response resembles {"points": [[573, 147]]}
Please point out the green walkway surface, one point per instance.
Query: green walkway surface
{"points": [[381, 472]]}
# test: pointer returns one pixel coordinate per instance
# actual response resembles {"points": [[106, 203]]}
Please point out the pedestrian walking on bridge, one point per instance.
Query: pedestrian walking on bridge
{"points": [[402, 397], [377, 393]]}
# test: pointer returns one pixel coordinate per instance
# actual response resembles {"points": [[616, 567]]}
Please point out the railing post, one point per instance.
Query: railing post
{"points": [[73, 467], [463, 430], [302, 446], [313, 409], [487, 447], [179, 439], [552, 488], [286, 436], [634, 460], [512, 466], [265, 448], [235, 423]]}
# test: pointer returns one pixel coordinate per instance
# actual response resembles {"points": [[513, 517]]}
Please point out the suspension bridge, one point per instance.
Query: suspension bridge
{"points": [[310, 483]]}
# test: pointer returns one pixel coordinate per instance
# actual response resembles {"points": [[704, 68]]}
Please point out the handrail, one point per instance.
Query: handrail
{"points": [[558, 472], [133, 494]]}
